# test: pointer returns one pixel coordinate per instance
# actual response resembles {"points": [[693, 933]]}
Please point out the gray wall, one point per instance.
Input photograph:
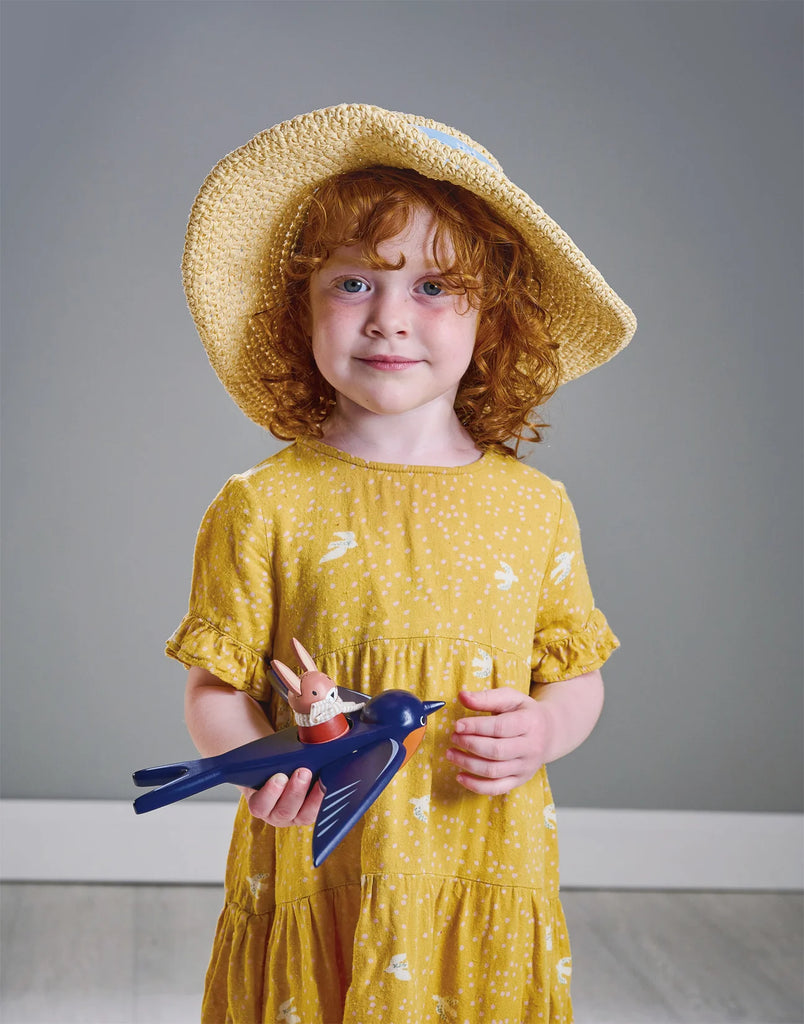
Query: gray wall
{"points": [[665, 137]]}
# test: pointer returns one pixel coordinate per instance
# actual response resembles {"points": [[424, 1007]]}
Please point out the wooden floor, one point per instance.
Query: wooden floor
{"points": [[112, 954]]}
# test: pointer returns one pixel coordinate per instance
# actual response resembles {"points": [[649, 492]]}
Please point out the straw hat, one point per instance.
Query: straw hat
{"points": [[246, 218]]}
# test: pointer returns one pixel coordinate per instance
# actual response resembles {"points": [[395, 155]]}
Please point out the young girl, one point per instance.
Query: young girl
{"points": [[370, 286]]}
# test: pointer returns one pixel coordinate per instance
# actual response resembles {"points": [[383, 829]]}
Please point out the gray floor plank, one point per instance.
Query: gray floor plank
{"points": [[67, 954], [174, 928], [718, 958], [137, 954]]}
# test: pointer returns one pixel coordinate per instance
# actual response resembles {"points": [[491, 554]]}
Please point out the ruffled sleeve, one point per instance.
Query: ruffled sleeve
{"points": [[228, 626], [572, 635]]}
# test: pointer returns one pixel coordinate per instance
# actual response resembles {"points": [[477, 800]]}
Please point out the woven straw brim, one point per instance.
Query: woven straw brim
{"points": [[248, 212]]}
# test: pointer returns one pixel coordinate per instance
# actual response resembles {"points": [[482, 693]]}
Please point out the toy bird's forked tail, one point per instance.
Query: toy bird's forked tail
{"points": [[249, 765], [161, 775], [174, 782]]}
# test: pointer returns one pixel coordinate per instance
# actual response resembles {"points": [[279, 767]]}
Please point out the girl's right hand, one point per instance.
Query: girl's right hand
{"points": [[282, 801]]}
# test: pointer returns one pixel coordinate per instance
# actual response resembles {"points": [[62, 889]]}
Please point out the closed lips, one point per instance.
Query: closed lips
{"points": [[388, 362]]}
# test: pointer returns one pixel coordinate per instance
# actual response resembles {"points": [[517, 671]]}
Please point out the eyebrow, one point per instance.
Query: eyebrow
{"points": [[344, 261], [340, 263]]}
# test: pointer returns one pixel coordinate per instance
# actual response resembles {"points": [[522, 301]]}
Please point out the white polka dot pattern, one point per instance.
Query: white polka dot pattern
{"points": [[441, 904]]}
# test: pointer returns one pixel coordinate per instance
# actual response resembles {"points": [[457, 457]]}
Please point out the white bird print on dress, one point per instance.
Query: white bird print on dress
{"points": [[421, 807], [399, 967], [446, 1007], [507, 577], [287, 1012], [482, 664], [255, 882], [564, 968], [550, 816], [338, 548], [564, 566]]}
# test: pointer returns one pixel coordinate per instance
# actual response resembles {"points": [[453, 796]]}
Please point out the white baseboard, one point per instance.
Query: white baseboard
{"points": [[104, 841]]}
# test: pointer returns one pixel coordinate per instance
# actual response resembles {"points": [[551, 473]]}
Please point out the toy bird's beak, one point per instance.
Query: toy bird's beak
{"points": [[432, 705]]}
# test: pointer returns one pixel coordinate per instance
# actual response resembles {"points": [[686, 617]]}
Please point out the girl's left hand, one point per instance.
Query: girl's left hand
{"points": [[504, 749]]}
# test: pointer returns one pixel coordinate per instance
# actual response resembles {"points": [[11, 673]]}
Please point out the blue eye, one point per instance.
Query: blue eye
{"points": [[432, 288], [353, 285]]}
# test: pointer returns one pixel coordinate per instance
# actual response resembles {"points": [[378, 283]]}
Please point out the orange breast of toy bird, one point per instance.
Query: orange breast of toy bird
{"points": [[411, 743]]}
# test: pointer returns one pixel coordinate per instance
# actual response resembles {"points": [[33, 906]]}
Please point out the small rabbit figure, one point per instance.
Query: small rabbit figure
{"points": [[313, 697]]}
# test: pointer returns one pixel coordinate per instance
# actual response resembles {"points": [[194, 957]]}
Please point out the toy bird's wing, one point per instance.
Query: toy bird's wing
{"points": [[351, 786]]}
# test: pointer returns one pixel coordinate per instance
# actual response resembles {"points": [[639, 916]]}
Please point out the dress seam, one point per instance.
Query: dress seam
{"points": [[193, 614], [566, 639], [328, 452], [385, 876], [407, 637], [533, 889], [269, 552], [552, 552]]}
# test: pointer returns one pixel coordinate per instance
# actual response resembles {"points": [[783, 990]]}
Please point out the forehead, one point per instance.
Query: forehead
{"points": [[415, 236]]}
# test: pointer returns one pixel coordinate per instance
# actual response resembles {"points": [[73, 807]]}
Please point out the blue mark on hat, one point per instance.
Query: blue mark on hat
{"points": [[453, 142]]}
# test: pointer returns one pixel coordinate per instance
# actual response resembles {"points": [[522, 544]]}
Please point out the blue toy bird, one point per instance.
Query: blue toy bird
{"points": [[353, 745]]}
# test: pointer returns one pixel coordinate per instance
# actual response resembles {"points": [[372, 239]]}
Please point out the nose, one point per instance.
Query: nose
{"points": [[388, 315]]}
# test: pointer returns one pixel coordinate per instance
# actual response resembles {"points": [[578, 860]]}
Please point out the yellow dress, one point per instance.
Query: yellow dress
{"points": [[441, 905]]}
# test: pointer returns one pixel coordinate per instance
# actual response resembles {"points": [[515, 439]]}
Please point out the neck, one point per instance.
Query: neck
{"points": [[406, 439]]}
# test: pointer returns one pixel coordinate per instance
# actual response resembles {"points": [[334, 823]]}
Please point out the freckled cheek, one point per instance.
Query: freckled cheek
{"points": [[331, 329], [448, 324]]}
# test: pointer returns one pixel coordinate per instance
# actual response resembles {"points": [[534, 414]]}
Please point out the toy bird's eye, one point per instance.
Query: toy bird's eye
{"points": [[423, 720]]}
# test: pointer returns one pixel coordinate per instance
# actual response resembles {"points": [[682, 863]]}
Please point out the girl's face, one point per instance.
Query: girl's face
{"points": [[391, 341]]}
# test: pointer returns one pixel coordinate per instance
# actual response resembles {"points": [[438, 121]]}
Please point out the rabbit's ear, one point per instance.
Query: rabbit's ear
{"points": [[288, 676], [305, 660]]}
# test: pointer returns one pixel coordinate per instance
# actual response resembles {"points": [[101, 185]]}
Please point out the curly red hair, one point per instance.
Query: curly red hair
{"points": [[515, 364]]}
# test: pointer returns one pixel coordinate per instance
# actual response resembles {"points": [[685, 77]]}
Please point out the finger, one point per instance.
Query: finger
{"points": [[271, 804], [289, 804], [483, 767], [488, 787], [501, 698], [505, 724], [491, 748], [311, 806], [262, 801]]}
